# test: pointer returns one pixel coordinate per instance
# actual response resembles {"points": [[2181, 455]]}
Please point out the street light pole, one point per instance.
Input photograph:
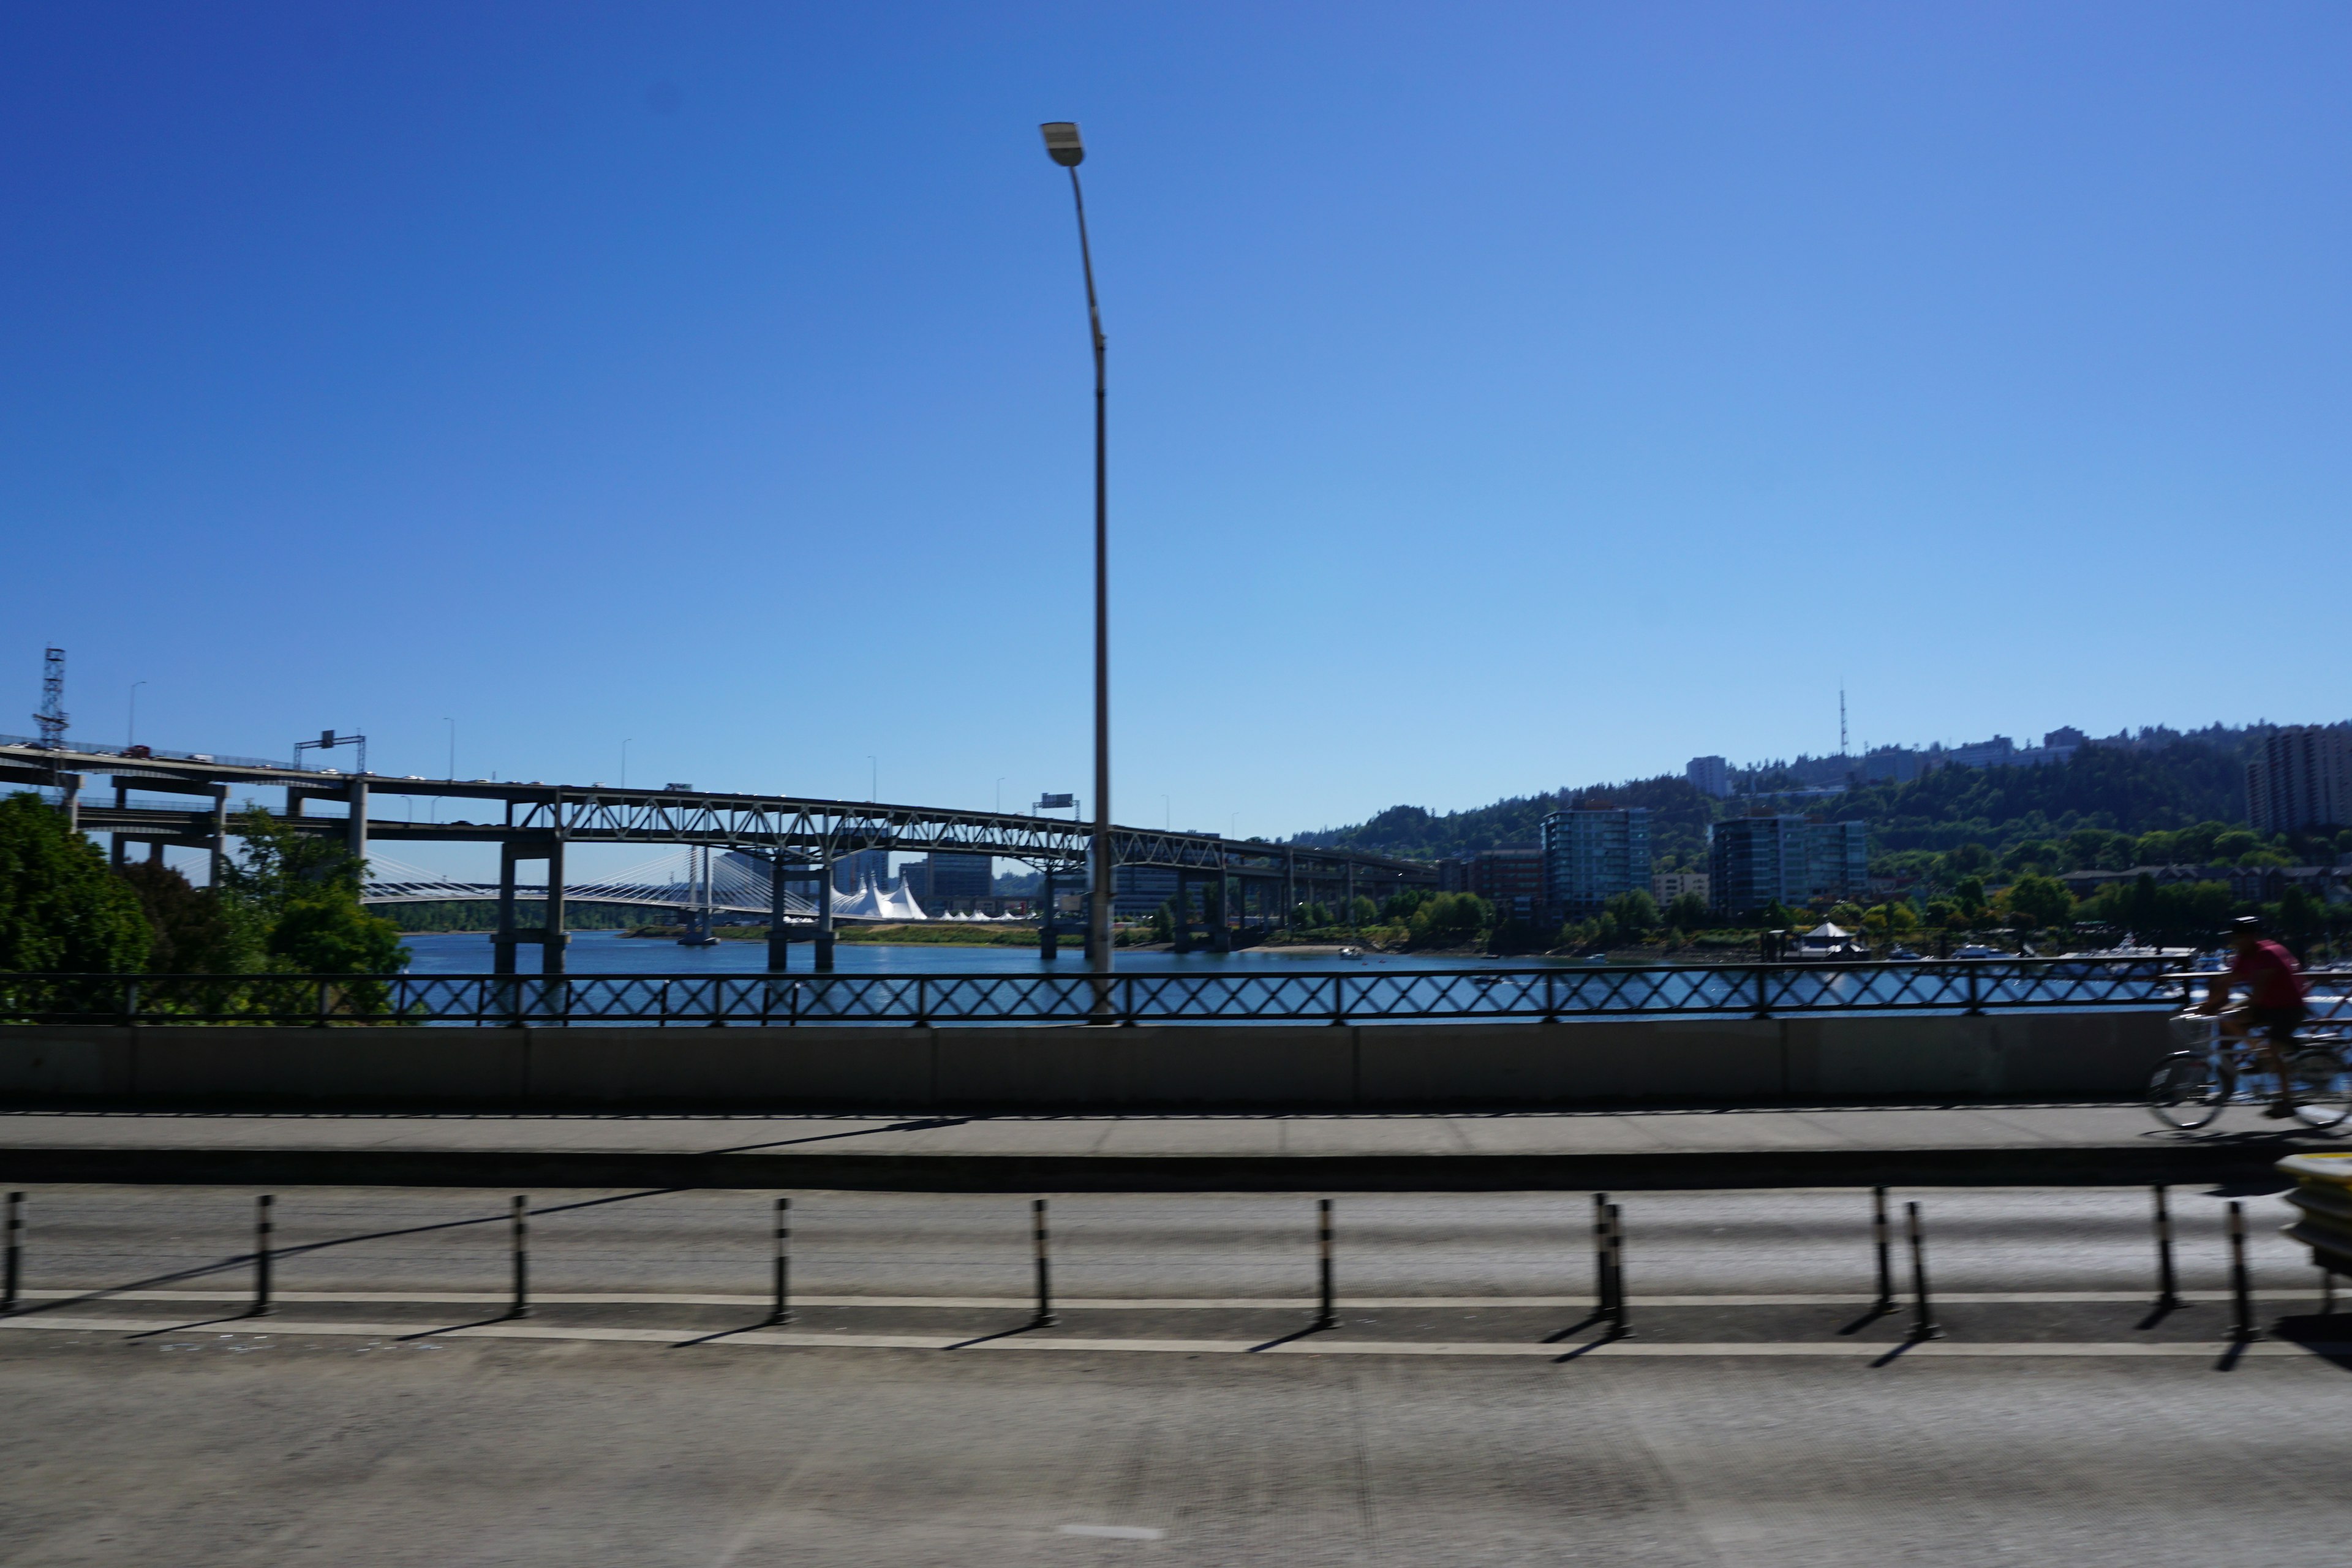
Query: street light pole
{"points": [[1064, 146]]}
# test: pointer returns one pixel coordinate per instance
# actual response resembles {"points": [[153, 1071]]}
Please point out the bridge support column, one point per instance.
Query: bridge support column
{"points": [[118, 846], [219, 845], [1350, 916], [1289, 891], [823, 941], [502, 940], [1221, 931], [780, 945], [357, 839], [1049, 938], [554, 939]]}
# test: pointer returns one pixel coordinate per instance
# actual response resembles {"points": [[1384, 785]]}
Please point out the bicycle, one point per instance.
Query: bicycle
{"points": [[2193, 1085]]}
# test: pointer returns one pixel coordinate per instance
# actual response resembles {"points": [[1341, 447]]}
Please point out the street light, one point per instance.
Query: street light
{"points": [[1064, 146]]}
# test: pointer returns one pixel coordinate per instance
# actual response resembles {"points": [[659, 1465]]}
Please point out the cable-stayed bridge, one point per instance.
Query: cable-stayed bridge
{"points": [[665, 882]]}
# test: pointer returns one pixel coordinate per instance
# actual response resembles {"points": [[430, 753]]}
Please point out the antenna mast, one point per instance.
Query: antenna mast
{"points": [[52, 716], [1842, 749]]}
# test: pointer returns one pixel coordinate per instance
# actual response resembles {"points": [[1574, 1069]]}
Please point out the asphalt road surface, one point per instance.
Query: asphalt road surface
{"points": [[1466, 1408]]}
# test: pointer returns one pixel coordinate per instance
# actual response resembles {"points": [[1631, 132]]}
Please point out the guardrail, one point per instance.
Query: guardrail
{"points": [[1345, 996]]}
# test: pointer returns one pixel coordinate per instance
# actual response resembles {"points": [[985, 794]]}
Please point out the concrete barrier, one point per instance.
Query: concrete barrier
{"points": [[1855, 1057]]}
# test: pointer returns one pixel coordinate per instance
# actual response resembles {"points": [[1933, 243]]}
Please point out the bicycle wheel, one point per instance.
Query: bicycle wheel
{"points": [[2184, 1092], [2323, 1089]]}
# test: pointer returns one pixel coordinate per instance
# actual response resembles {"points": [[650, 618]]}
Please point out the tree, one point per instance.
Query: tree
{"points": [[1362, 911], [1686, 912], [1635, 914], [304, 894], [195, 930], [1451, 918], [61, 910], [2042, 901]]}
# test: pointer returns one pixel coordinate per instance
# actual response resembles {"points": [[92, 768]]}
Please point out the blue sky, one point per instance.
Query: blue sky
{"points": [[1503, 396]]}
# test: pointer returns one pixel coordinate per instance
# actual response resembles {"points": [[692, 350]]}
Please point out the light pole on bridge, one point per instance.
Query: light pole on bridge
{"points": [[1064, 146]]}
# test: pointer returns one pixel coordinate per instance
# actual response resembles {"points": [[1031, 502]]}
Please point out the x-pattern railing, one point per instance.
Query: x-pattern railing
{"points": [[1357, 996]]}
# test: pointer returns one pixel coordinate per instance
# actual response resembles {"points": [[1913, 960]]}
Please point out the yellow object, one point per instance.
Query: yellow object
{"points": [[2323, 1190]]}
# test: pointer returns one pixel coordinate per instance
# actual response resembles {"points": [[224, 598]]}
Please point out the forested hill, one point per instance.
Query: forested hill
{"points": [[2123, 792], [2137, 791], [1678, 815]]}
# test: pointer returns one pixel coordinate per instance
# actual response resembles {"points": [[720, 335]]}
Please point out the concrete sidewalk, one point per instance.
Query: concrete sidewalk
{"points": [[1777, 1147]]}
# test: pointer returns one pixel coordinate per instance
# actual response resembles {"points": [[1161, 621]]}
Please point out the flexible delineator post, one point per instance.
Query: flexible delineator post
{"points": [[1044, 1317], [1327, 1315], [1619, 1328], [520, 1230], [12, 1271], [2241, 1289], [1923, 1326], [782, 1312], [1883, 1239], [262, 1230], [2167, 1293]]}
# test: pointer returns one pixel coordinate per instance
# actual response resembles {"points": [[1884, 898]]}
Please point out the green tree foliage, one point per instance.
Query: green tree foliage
{"points": [[1447, 918], [303, 892], [2040, 902], [1310, 917], [1164, 922], [2099, 787], [2164, 912], [62, 910], [1635, 914], [1362, 911], [1398, 907], [195, 930], [1687, 911], [1678, 818]]}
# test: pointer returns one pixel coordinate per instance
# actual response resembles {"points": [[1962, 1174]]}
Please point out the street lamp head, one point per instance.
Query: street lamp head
{"points": [[1062, 143]]}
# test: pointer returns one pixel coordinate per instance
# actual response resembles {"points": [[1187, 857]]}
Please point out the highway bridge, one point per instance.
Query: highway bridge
{"points": [[801, 839]]}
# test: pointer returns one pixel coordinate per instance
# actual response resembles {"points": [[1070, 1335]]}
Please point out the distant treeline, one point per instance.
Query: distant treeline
{"points": [[2131, 792], [482, 914]]}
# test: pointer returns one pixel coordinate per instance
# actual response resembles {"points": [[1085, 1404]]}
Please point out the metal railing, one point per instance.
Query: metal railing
{"points": [[1345, 996]]}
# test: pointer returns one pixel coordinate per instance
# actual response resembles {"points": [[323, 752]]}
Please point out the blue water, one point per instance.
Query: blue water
{"points": [[610, 952]]}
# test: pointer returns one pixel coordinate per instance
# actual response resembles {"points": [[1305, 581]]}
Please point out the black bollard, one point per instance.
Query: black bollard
{"points": [[1882, 1239], [2241, 1290], [13, 1267], [520, 1230], [1923, 1327], [1600, 1303], [1619, 1328], [782, 1312], [261, 1233], [1044, 1317], [1327, 1315], [2168, 1294]]}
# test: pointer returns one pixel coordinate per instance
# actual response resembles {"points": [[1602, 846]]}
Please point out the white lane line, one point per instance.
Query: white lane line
{"points": [[1115, 1531], [1132, 1304], [1614, 1349]]}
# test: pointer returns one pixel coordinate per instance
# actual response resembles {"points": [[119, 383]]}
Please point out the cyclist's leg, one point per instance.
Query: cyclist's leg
{"points": [[2277, 1044]]}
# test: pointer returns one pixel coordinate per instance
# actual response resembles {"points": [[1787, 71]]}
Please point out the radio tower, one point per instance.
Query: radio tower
{"points": [[1841, 750], [52, 716]]}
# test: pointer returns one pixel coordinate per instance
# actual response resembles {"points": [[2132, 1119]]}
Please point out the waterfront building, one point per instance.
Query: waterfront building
{"points": [[1755, 861], [2301, 777], [1137, 890], [944, 882], [1710, 776], [1511, 877], [1666, 886], [1591, 856]]}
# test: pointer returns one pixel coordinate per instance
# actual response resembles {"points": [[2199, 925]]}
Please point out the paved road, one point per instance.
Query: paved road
{"points": [[1467, 1410], [202, 1451]]}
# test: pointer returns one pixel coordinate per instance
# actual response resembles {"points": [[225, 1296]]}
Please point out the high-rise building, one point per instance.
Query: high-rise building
{"points": [[861, 866], [1755, 861], [1591, 856], [2301, 777], [1511, 877], [1710, 776]]}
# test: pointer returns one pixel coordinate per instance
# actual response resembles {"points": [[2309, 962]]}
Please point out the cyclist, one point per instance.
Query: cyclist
{"points": [[2275, 1000]]}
